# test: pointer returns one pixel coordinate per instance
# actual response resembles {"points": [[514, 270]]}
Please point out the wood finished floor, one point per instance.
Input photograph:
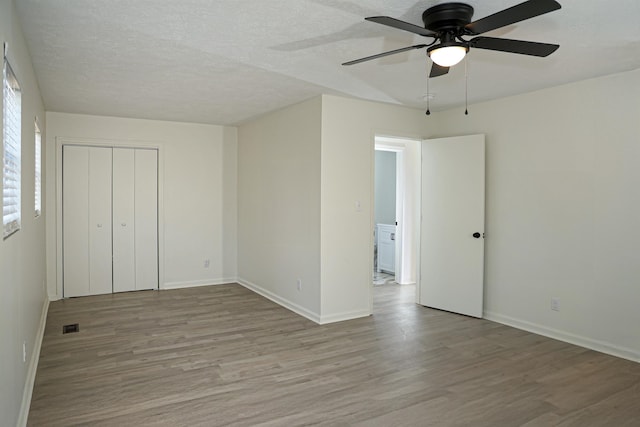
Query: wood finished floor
{"points": [[222, 355]]}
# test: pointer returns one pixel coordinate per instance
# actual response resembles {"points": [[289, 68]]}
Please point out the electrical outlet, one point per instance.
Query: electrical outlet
{"points": [[207, 263], [24, 351], [299, 284], [555, 303]]}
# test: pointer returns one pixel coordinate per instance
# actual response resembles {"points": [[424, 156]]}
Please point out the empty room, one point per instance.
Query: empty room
{"points": [[190, 226]]}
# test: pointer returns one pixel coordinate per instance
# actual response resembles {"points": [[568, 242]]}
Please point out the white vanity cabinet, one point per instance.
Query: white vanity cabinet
{"points": [[386, 236]]}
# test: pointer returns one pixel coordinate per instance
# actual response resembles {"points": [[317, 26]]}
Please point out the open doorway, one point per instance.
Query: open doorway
{"points": [[385, 213], [396, 210]]}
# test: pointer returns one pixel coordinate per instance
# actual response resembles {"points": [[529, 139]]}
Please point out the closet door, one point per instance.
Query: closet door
{"points": [[86, 220], [146, 219], [75, 221], [100, 281], [124, 276], [135, 219]]}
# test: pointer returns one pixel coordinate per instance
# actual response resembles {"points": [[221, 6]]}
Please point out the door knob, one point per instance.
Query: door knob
{"points": [[476, 235]]}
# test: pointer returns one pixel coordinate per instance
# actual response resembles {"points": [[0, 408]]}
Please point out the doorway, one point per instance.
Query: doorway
{"points": [[384, 248], [396, 210]]}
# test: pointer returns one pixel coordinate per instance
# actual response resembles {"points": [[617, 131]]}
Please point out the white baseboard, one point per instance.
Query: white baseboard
{"points": [[196, 283], [601, 346], [280, 301], [322, 320], [33, 367], [181, 285], [339, 317]]}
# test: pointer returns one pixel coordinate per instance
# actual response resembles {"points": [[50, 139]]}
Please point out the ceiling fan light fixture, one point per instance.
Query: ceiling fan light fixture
{"points": [[447, 55]]}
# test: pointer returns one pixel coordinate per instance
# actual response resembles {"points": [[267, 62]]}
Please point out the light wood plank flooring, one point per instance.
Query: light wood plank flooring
{"points": [[222, 355]]}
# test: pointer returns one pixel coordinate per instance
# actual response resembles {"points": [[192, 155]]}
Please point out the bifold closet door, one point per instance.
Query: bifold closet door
{"points": [[86, 220], [124, 270], [135, 219]]}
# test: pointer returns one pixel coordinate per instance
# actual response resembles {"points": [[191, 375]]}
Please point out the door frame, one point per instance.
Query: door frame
{"points": [[92, 142], [398, 145]]}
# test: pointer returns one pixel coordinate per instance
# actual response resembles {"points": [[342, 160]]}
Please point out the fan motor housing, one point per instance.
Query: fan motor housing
{"points": [[447, 16]]}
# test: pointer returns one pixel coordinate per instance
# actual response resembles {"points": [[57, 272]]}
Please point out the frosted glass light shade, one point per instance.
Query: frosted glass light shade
{"points": [[448, 56]]}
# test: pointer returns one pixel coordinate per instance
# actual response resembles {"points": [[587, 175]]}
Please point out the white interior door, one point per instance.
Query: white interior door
{"points": [[100, 169], [124, 273], [86, 213], [75, 221], [452, 224]]}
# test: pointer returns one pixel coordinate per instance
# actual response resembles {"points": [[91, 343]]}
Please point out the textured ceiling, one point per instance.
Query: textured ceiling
{"points": [[226, 61]]}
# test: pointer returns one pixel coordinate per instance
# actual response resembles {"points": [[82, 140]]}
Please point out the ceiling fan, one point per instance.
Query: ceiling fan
{"points": [[449, 23]]}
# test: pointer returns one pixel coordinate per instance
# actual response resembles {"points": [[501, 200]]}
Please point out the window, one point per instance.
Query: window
{"points": [[38, 169], [11, 152]]}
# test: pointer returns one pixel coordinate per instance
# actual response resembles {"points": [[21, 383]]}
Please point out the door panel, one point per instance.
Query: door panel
{"points": [[451, 259], [124, 277], [146, 219], [100, 280], [75, 221]]}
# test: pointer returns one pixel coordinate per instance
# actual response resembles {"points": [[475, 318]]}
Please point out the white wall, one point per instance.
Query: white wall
{"points": [[230, 203], [563, 209], [197, 204], [22, 255], [279, 206], [349, 128], [562, 206], [385, 187]]}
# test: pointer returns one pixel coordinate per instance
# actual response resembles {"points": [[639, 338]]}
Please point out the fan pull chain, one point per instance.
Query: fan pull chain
{"points": [[428, 97], [466, 88]]}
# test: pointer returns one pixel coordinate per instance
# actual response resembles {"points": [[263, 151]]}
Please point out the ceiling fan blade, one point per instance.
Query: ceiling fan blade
{"points": [[438, 70], [380, 55], [401, 25], [514, 46], [517, 13]]}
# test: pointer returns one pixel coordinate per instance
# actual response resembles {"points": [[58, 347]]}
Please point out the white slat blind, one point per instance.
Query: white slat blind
{"points": [[38, 169], [11, 153]]}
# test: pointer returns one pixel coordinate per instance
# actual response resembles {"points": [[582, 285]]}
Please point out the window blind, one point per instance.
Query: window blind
{"points": [[11, 152], [38, 171]]}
